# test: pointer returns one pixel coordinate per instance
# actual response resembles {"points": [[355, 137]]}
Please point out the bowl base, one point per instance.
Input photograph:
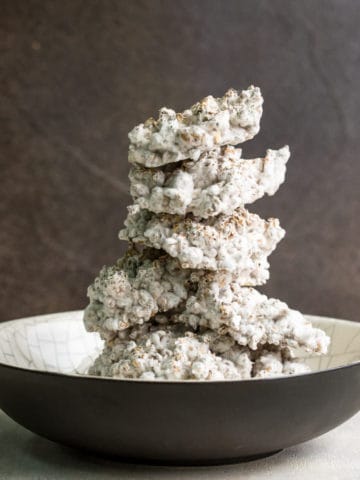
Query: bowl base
{"points": [[175, 463], [206, 462]]}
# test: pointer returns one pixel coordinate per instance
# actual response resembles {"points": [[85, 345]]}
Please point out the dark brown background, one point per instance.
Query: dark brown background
{"points": [[76, 76]]}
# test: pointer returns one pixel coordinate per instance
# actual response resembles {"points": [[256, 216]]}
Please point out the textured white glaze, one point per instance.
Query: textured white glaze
{"points": [[229, 120], [238, 242], [168, 352], [271, 364], [140, 286], [171, 352], [252, 319], [133, 291], [218, 182]]}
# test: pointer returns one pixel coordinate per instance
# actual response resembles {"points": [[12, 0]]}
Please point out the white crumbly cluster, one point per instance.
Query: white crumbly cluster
{"points": [[154, 352], [221, 304], [168, 353], [134, 290], [218, 182], [180, 304], [212, 122], [172, 353], [272, 364], [238, 242]]}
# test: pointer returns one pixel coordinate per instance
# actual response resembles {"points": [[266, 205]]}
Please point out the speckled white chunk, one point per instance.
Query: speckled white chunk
{"points": [[172, 352], [219, 182], [252, 319], [134, 290], [212, 122], [168, 353], [271, 364], [239, 242], [295, 367]]}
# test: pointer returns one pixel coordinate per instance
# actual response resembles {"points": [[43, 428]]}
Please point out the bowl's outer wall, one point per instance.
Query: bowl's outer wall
{"points": [[180, 422]]}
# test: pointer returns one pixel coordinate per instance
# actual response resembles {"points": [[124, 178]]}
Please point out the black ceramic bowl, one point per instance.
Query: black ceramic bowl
{"points": [[42, 387]]}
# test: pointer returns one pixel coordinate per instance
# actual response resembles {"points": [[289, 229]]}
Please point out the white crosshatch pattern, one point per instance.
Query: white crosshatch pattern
{"points": [[55, 343], [60, 343]]}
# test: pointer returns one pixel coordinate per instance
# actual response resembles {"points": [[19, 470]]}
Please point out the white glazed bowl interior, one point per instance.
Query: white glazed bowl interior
{"points": [[59, 343]]}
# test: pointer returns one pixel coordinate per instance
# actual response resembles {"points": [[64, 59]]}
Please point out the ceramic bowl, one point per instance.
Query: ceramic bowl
{"points": [[44, 387]]}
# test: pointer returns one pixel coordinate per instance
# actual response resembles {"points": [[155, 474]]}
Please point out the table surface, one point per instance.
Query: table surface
{"points": [[334, 456]]}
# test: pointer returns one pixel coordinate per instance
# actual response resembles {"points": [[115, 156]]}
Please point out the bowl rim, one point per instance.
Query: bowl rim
{"points": [[173, 382]]}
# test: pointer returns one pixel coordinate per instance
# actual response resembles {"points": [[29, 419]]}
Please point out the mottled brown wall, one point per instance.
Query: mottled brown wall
{"points": [[76, 76]]}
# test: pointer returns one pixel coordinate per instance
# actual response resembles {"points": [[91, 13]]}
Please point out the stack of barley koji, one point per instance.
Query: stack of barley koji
{"points": [[181, 304]]}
